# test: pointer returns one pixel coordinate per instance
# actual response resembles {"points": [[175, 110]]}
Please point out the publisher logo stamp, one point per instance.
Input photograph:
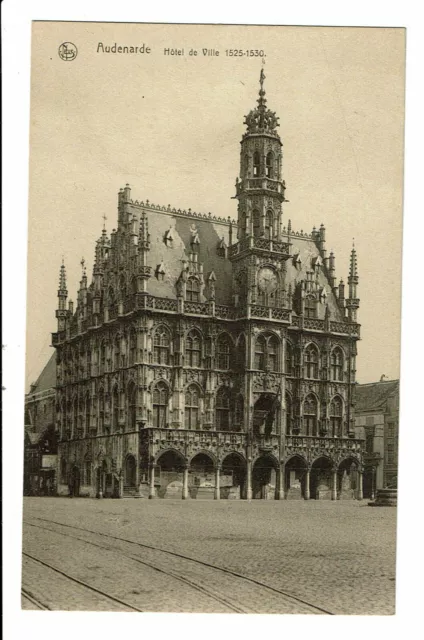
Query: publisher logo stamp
{"points": [[68, 51]]}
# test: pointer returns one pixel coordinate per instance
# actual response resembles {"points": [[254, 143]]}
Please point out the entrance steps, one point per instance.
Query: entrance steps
{"points": [[131, 492]]}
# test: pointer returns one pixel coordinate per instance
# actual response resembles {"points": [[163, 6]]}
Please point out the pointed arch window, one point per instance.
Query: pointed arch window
{"points": [[132, 406], [311, 362], [223, 409], [310, 415], [256, 164], [260, 353], [223, 352], [103, 349], [101, 411], [160, 405], [337, 362], [87, 471], [192, 410], [193, 290], [272, 353], [115, 409], [256, 223], [289, 414], [193, 349], [117, 355], [270, 165], [269, 224], [239, 413], [161, 346], [133, 346], [336, 417], [289, 359], [87, 413]]}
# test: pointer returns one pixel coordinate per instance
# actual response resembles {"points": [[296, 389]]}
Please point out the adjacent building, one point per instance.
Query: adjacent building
{"points": [[40, 445], [377, 422], [210, 357]]}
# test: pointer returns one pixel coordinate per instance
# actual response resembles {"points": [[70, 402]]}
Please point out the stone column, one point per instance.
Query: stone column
{"points": [[217, 492], [184, 494], [334, 485], [279, 494], [121, 485], [249, 480], [307, 481], [360, 490], [152, 481]]}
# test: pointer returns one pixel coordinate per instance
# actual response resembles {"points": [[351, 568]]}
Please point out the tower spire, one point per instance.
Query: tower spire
{"points": [[352, 302], [62, 294]]}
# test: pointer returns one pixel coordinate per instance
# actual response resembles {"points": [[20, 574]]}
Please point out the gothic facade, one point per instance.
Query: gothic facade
{"points": [[208, 357]]}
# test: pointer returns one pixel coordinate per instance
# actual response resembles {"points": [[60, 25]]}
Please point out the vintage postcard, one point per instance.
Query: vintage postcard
{"points": [[212, 401]]}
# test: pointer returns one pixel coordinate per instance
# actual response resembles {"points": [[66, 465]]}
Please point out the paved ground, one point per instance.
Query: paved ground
{"points": [[338, 556]]}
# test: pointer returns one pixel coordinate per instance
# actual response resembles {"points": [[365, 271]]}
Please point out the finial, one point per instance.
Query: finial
{"points": [[104, 221], [262, 78]]}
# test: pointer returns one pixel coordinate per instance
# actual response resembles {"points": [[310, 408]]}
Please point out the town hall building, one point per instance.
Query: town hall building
{"points": [[208, 357]]}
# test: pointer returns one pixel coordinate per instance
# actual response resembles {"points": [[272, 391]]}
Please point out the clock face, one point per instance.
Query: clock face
{"points": [[267, 280]]}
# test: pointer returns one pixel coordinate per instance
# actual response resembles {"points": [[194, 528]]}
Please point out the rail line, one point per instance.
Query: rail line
{"points": [[80, 582], [31, 598], [239, 609]]}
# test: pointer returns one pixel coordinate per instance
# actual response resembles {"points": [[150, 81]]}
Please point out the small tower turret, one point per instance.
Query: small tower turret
{"points": [[352, 302], [62, 294]]}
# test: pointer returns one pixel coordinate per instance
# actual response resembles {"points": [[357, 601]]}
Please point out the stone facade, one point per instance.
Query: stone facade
{"points": [[377, 422], [208, 357], [40, 444]]}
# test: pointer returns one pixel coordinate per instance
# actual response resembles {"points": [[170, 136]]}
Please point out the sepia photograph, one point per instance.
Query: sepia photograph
{"points": [[211, 411]]}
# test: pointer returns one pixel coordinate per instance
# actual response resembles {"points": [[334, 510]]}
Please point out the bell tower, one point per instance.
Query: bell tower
{"points": [[260, 253], [260, 189]]}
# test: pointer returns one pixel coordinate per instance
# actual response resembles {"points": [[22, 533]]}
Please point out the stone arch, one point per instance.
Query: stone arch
{"points": [[206, 453], [202, 474], [347, 477], [264, 476], [295, 469], [130, 471], [321, 477], [233, 476]]}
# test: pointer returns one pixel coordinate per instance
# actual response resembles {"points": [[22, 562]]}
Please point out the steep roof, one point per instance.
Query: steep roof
{"points": [[373, 396], [47, 378]]}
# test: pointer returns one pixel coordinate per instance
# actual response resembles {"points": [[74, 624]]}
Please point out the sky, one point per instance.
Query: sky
{"points": [[170, 126]]}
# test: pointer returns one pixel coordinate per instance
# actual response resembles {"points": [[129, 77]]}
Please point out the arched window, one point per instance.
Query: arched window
{"points": [[193, 349], [311, 361], [272, 353], [117, 358], [241, 352], [193, 290], [223, 352], [270, 165], [266, 353], [256, 223], [260, 353], [223, 409], [87, 471], [289, 414], [336, 417], [132, 346], [289, 359], [310, 415], [256, 163], [101, 411], [87, 413], [246, 164], [160, 405], [132, 406], [115, 409], [161, 346], [310, 307], [134, 285], [337, 364], [239, 413], [103, 357], [191, 411], [269, 224]]}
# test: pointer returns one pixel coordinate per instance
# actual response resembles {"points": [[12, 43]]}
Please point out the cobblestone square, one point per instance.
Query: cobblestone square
{"points": [[260, 556]]}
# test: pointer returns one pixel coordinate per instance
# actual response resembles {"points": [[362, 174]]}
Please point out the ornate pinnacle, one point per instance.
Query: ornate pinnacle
{"points": [[353, 270], [62, 277]]}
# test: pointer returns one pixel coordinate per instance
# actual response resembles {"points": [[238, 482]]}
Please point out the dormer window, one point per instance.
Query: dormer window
{"points": [[193, 290], [310, 307]]}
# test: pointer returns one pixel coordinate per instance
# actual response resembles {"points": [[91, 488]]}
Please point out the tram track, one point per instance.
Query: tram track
{"points": [[33, 600], [77, 581], [229, 603]]}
